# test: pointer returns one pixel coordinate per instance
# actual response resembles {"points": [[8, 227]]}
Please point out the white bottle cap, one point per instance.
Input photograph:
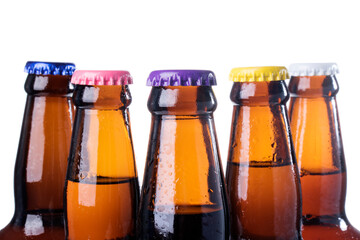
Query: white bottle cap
{"points": [[313, 69]]}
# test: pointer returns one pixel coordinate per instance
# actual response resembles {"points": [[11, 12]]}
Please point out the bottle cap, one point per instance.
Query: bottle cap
{"points": [[181, 78], [93, 77], [49, 68], [313, 69], [259, 74]]}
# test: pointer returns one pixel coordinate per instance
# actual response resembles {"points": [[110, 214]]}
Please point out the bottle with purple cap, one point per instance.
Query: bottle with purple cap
{"points": [[183, 193]]}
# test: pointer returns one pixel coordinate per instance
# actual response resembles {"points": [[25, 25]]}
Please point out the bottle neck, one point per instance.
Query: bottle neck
{"points": [[260, 133], [183, 154], [102, 147], [318, 144], [43, 148]]}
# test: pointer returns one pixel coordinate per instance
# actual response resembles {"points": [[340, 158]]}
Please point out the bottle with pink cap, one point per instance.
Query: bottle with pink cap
{"points": [[101, 192], [43, 149]]}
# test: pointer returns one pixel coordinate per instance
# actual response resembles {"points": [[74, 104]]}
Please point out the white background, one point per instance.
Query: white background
{"points": [[141, 36]]}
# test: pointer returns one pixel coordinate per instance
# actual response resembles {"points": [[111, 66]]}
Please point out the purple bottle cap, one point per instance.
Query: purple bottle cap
{"points": [[166, 78]]}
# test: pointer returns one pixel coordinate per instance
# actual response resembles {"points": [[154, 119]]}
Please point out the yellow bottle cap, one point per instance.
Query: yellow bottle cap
{"points": [[259, 74]]}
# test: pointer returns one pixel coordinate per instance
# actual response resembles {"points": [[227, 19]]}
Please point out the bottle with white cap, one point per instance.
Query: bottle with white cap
{"points": [[319, 151]]}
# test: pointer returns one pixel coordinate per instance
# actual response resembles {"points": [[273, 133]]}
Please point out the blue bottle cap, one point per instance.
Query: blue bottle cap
{"points": [[49, 68]]}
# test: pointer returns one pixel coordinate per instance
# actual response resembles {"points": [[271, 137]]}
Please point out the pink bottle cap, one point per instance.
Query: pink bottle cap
{"points": [[93, 77]]}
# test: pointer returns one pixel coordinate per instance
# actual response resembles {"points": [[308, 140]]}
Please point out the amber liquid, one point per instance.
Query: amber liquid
{"points": [[185, 223], [319, 186], [264, 202], [102, 209], [325, 219]]}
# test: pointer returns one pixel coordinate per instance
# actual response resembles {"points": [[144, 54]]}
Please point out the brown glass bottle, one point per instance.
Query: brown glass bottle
{"points": [[102, 189], [183, 195], [262, 176], [318, 145], [42, 156]]}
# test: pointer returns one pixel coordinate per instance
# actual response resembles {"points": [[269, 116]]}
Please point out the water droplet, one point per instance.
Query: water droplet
{"points": [[160, 208]]}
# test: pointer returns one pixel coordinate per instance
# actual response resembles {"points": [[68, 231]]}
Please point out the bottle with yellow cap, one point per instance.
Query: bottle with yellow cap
{"points": [[262, 175]]}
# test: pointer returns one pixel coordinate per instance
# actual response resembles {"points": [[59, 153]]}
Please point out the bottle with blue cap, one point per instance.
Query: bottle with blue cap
{"points": [[183, 194], [41, 161], [319, 151]]}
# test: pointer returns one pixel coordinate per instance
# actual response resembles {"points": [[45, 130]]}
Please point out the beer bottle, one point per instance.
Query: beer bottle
{"points": [[183, 195], [101, 191], [319, 151], [262, 175], [42, 154]]}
